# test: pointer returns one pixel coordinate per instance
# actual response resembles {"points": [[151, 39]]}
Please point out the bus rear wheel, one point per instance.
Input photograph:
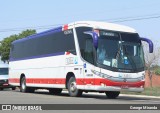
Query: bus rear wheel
{"points": [[13, 88], [72, 88], [55, 91], [24, 88], [112, 94]]}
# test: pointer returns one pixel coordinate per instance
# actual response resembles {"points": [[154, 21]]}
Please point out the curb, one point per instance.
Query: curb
{"points": [[144, 96], [96, 93]]}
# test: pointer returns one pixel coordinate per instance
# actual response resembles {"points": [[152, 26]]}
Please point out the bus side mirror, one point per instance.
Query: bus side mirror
{"points": [[94, 36], [150, 43]]}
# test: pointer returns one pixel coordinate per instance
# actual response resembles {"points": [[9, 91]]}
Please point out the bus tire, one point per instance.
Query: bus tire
{"points": [[112, 94], [23, 87], [13, 88], [55, 91], [72, 88]]}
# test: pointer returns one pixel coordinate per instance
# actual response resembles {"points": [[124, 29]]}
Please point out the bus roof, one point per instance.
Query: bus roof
{"points": [[94, 24], [105, 25]]}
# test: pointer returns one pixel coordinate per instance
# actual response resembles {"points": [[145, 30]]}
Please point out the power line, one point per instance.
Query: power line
{"points": [[134, 19], [109, 20], [131, 17]]}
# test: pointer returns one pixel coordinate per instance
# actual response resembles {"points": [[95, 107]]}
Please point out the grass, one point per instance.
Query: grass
{"points": [[151, 91]]}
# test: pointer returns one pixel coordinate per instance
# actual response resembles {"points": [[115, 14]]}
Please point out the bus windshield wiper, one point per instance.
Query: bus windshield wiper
{"points": [[120, 50]]}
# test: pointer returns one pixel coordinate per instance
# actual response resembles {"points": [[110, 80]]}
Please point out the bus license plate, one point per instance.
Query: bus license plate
{"points": [[124, 87], [127, 76]]}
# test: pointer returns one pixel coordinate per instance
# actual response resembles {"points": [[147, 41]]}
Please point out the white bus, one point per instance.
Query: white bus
{"points": [[82, 56]]}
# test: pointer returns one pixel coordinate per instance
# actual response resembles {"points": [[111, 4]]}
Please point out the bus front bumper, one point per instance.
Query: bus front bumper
{"points": [[116, 88]]}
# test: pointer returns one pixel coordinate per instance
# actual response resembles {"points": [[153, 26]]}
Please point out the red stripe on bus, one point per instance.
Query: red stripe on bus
{"points": [[14, 80], [40, 80], [99, 81], [46, 80], [79, 81]]}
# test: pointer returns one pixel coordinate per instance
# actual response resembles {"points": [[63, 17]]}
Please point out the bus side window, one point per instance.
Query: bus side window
{"points": [[88, 52]]}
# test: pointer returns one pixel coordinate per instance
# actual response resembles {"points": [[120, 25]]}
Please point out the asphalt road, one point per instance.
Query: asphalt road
{"points": [[8, 96]]}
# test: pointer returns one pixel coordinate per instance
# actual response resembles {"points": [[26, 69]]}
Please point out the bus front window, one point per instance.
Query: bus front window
{"points": [[120, 51], [3, 71]]}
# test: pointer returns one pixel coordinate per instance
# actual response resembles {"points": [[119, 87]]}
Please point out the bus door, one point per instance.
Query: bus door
{"points": [[89, 67]]}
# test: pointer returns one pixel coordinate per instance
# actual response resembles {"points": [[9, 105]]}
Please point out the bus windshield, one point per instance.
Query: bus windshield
{"points": [[120, 51]]}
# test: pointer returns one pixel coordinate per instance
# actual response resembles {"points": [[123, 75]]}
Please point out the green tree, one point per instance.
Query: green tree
{"points": [[5, 44], [151, 59]]}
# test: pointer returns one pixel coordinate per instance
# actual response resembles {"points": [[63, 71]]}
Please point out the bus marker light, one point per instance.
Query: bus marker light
{"points": [[65, 27]]}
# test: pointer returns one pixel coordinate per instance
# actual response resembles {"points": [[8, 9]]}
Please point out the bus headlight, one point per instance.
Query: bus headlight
{"points": [[97, 73], [105, 75], [6, 80], [142, 77], [101, 74]]}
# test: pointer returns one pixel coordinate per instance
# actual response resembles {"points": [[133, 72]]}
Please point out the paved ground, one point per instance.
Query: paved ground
{"points": [[43, 97]]}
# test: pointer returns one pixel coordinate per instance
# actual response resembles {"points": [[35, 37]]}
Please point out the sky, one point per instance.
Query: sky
{"points": [[19, 15]]}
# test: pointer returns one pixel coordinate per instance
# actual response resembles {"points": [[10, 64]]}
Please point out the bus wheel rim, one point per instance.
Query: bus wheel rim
{"points": [[73, 86], [23, 85]]}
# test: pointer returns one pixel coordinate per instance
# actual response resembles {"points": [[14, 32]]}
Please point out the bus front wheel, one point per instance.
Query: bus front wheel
{"points": [[112, 94], [72, 88], [24, 88]]}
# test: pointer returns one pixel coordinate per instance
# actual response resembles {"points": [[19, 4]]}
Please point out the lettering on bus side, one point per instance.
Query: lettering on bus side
{"points": [[69, 60], [68, 32]]}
